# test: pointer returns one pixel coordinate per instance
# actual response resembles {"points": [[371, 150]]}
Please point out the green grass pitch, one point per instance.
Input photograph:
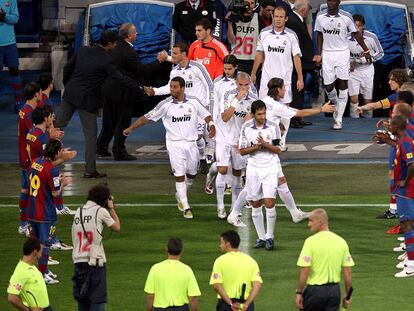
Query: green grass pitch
{"points": [[145, 230]]}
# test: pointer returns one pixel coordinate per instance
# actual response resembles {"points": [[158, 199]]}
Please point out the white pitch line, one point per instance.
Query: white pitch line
{"points": [[208, 204]]}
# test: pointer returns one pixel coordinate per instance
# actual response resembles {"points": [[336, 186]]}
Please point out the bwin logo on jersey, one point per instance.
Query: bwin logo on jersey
{"points": [[240, 114], [334, 31], [184, 118], [188, 84], [276, 49], [357, 55]]}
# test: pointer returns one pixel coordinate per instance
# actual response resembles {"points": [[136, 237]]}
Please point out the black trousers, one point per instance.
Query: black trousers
{"points": [[181, 308], [94, 278], [322, 297], [116, 117], [298, 98], [223, 306]]}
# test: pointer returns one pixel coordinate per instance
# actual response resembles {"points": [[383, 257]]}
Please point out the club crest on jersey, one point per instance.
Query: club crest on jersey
{"points": [[209, 54], [339, 25], [268, 137], [190, 110], [284, 43]]}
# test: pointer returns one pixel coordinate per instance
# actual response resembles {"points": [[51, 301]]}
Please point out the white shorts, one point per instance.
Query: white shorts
{"points": [[335, 65], [226, 153], [263, 91], [361, 81], [261, 183], [183, 157]]}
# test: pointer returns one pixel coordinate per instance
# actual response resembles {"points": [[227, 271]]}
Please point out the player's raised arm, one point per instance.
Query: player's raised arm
{"points": [[138, 123]]}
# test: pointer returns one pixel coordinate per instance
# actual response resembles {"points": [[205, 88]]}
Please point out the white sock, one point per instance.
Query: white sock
{"points": [[332, 96], [341, 105], [220, 185], [286, 124], [270, 222], [352, 110], [189, 182], [237, 205], [181, 188], [393, 208], [287, 198], [257, 217], [213, 170], [235, 188], [201, 145]]}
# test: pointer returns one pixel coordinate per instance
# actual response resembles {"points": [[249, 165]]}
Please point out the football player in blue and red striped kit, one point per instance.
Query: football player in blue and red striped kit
{"points": [[404, 189], [46, 183], [32, 93]]}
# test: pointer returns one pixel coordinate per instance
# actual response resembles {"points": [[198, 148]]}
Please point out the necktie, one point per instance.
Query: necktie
{"points": [[194, 7]]}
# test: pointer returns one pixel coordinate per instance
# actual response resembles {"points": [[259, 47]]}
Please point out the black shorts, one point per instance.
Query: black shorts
{"points": [[181, 308], [89, 283]]}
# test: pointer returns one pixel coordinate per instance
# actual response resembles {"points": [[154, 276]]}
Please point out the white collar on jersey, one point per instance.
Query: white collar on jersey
{"points": [[177, 102], [255, 127], [278, 33], [186, 67], [328, 15]]}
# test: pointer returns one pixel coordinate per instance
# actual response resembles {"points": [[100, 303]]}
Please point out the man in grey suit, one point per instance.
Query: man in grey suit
{"points": [[83, 77]]}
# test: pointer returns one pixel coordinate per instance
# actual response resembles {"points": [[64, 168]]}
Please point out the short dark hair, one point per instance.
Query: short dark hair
{"points": [[44, 80], [405, 97], [231, 60], [273, 85], [359, 18], [279, 7], [266, 3], [232, 237], [399, 75], [180, 81], [30, 246], [30, 90], [400, 122], [125, 30], [257, 105], [205, 23], [40, 113], [182, 46], [108, 36], [99, 194], [52, 148], [174, 246]]}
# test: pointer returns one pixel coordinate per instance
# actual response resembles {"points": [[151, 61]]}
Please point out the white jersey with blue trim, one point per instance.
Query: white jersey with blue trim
{"points": [[275, 110], [335, 29], [249, 133], [357, 52], [278, 49], [197, 83], [180, 119], [229, 132]]}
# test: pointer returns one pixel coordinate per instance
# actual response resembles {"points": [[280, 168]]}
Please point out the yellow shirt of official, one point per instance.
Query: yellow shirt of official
{"points": [[234, 269], [27, 282], [171, 282], [325, 253]]}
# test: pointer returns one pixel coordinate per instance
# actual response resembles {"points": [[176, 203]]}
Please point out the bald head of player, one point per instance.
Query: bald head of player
{"points": [[333, 6], [318, 220]]}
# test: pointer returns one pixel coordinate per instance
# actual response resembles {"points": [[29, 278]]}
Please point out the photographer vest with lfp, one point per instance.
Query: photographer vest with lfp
{"points": [[246, 38], [87, 239]]}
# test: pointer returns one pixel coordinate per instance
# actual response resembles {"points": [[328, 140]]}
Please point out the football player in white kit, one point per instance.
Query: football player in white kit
{"points": [[276, 47], [332, 27], [232, 113], [197, 83], [259, 139], [180, 114], [361, 77], [275, 112]]}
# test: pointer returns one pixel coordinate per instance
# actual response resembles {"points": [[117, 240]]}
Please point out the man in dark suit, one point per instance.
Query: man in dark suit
{"points": [[120, 99], [83, 77], [297, 22], [187, 12]]}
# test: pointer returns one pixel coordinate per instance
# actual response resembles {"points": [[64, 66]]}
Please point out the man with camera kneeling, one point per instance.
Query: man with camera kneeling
{"points": [[89, 280]]}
